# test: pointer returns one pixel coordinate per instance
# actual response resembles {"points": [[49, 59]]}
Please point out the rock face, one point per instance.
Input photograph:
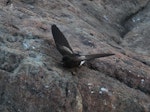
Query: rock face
{"points": [[32, 78]]}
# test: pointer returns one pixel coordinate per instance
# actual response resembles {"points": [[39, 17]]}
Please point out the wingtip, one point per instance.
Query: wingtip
{"points": [[53, 26], [55, 30], [111, 54], [106, 55]]}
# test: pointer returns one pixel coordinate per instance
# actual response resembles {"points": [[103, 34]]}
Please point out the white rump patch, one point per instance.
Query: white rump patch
{"points": [[81, 63]]}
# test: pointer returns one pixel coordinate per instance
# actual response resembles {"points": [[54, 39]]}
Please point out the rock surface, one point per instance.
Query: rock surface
{"points": [[32, 78]]}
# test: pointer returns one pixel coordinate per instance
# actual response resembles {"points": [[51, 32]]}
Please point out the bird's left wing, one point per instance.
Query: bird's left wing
{"points": [[61, 42]]}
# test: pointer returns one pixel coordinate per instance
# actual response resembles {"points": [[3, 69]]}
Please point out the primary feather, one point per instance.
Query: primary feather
{"points": [[93, 56]]}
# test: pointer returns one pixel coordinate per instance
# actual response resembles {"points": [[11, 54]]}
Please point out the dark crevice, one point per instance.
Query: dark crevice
{"points": [[122, 51], [126, 19], [8, 2], [136, 58], [116, 76], [142, 61], [2, 97], [66, 89]]}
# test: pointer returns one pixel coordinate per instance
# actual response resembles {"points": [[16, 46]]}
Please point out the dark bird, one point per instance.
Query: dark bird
{"points": [[71, 59]]}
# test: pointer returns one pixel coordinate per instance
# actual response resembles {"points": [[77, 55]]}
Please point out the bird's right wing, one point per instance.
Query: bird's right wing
{"points": [[93, 56]]}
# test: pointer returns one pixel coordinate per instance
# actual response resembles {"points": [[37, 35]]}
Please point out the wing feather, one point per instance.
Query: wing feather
{"points": [[93, 56], [61, 42]]}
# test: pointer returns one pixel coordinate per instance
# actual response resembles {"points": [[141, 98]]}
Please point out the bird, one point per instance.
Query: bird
{"points": [[70, 59]]}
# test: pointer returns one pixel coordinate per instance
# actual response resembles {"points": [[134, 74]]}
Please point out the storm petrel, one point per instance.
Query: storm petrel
{"points": [[71, 59]]}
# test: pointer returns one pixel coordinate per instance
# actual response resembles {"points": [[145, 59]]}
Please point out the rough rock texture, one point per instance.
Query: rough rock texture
{"points": [[32, 78]]}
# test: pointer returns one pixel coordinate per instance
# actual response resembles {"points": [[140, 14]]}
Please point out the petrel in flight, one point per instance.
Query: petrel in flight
{"points": [[71, 59]]}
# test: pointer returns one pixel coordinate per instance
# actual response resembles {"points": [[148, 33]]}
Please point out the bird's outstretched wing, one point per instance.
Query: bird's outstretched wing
{"points": [[93, 56], [61, 42]]}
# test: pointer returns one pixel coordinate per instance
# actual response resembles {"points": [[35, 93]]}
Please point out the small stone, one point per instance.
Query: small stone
{"points": [[103, 90], [89, 84], [33, 55], [142, 81], [46, 86], [92, 91], [11, 39]]}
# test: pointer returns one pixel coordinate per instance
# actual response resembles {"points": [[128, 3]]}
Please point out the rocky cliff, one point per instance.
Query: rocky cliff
{"points": [[32, 78]]}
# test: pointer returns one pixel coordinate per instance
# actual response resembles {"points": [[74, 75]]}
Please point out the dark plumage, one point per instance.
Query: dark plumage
{"points": [[71, 59]]}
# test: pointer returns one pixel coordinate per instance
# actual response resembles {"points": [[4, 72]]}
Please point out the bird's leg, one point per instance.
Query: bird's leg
{"points": [[74, 71]]}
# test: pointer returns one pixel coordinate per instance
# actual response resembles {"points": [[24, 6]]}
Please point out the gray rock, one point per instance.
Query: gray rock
{"points": [[32, 78]]}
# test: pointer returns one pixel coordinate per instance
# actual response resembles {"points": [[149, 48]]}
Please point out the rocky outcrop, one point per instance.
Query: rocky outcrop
{"points": [[32, 78]]}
